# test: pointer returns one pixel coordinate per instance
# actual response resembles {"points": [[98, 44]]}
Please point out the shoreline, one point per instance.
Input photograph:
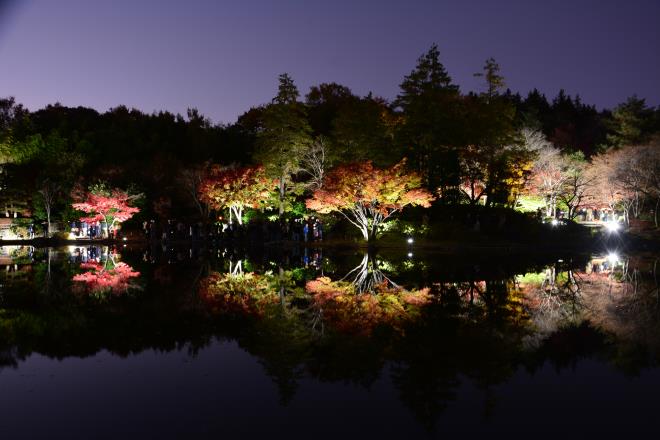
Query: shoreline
{"points": [[496, 246]]}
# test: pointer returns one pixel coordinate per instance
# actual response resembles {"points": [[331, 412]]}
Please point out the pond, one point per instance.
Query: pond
{"points": [[161, 342]]}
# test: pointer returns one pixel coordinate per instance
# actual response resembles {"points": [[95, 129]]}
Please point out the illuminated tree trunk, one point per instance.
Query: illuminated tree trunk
{"points": [[237, 212]]}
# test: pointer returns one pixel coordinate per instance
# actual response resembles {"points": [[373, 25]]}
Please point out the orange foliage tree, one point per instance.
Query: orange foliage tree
{"points": [[236, 189], [367, 196]]}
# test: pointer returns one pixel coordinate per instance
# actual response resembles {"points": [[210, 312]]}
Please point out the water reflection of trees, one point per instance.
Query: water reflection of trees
{"points": [[300, 324], [103, 272], [368, 275]]}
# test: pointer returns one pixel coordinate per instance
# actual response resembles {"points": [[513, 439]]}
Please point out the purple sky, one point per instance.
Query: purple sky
{"points": [[224, 56]]}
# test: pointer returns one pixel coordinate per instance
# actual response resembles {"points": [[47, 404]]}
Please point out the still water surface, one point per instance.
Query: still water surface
{"points": [[97, 342]]}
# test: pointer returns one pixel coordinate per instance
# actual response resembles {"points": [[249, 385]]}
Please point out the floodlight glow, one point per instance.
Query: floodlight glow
{"points": [[612, 226], [410, 240], [613, 258], [554, 222], [410, 254]]}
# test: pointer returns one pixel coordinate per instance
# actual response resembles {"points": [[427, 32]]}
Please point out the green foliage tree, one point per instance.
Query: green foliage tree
{"points": [[630, 123], [493, 156], [284, 136], [364, 129], [57, 170], [494, 81], [430, 106]]}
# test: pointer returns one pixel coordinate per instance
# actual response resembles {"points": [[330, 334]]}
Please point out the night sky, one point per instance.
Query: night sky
{"points": [[224, 56]]}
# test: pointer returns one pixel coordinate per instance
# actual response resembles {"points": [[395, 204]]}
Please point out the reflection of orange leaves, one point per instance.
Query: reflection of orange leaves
{"points": [[351, 312], [99, 278], [244, 294]]}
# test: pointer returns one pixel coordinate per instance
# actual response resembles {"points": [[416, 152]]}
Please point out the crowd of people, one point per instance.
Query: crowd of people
{"points": [[296, 230]]}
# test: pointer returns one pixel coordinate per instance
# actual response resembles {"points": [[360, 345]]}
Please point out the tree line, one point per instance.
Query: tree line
{"points": [[490, 148]]}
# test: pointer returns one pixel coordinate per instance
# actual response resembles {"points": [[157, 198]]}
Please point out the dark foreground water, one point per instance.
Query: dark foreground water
{"points": [[184, 343]]}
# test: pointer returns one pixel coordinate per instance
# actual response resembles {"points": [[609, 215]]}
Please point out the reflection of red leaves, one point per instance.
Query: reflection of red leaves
{"points": [[99, 279], [350, 312]]}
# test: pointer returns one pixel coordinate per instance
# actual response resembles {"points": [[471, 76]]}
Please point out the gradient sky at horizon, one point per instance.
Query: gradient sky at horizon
{"points": [[223, 57]]}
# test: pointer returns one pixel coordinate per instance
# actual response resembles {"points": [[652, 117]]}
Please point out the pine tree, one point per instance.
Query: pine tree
{"points": [[494, 81], [629, 122], [430, 107], [283, 138]]}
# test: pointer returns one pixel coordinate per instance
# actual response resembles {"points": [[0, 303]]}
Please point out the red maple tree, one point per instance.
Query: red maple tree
{"points": [[367, 196], [111, 207]]}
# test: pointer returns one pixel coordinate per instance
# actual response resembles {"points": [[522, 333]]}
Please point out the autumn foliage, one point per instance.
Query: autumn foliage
{"points": [[112, 207], [367, 196], [243, 294], [349, 311], [102, 277], [236, 189]]}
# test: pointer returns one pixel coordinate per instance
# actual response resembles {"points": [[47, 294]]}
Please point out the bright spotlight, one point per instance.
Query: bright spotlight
{"points": [[554, 222], [410, 254], [410, 240], [612, 258], [612, 226]]}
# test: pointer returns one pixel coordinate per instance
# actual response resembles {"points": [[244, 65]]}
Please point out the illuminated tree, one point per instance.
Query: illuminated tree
{"points": [[107, 276], [12, 150], [473, 173], [315, 162], [283, 138], [111, 206], [628, 177], [236, 189], [367, 196], [607, 191], [549, 176], [577, 183], [496, 174]]}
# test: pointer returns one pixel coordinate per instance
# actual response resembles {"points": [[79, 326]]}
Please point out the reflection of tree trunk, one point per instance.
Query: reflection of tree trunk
{"points": [[48, 271], [367, 275], [282, 287], [237, 269]]}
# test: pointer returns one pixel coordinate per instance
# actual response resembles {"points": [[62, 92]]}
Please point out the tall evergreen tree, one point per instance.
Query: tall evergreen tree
{"points": [[494, 81], [629, 124], [284, 136], [430, 106]]}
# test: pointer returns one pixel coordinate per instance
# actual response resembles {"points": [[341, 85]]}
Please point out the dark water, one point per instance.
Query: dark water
{"points": [[180, 343]]}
